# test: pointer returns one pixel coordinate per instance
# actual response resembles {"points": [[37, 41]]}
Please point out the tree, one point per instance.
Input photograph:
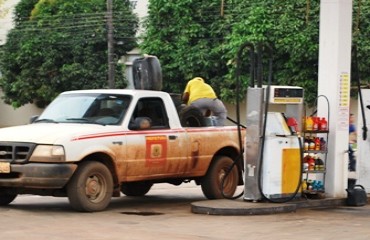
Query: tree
{"points": [[203, 37], [360, 39], [60, 45], [185, 35], [292, 31]]}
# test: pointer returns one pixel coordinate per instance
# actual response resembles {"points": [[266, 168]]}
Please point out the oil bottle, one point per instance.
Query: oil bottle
{"points": [[309, 124]]}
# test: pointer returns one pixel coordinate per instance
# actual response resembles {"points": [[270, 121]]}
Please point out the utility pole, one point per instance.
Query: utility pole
{"points": [[110, 40]]}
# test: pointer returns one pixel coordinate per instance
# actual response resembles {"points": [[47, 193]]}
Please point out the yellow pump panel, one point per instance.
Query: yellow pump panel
{"points": [[291, 164]]}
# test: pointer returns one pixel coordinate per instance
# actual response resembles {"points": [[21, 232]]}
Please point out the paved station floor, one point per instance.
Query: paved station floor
{"points": [[166, 213]]}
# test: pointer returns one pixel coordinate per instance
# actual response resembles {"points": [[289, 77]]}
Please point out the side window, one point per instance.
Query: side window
{"points": [[152, 108]]}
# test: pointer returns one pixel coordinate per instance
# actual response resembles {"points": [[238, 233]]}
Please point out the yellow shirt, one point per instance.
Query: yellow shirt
{"points": [[199, 89]]}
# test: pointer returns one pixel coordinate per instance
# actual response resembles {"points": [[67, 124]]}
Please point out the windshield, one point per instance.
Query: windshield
{"points": [[105, 109]]}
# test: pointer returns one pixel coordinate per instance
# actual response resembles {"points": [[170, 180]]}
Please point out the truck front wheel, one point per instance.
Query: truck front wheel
{"points": [[91, 187], [212, 181]]}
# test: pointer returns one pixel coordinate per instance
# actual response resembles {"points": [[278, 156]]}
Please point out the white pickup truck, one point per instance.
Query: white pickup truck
{"points": [[91, 145]]}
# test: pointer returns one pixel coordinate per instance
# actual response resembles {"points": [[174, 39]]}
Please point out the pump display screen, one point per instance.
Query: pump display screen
{"points": [[286, 95], [288, 92]]}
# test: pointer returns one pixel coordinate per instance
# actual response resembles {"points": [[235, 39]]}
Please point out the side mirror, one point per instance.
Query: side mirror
{"points": [[34, 118]]}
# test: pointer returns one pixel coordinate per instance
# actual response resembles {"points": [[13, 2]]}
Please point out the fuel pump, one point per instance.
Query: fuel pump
{"points": [[273, 155]]}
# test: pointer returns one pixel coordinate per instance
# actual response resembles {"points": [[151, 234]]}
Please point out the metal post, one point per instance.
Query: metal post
{"points": [[255, 107], [110, 40]]}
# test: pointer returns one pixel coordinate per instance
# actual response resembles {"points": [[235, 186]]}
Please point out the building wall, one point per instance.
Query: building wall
{"points": [[140, 7], [11, 117], [6, 21]]}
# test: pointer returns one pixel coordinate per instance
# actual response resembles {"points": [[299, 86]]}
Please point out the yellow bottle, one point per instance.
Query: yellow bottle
{"points": [[304, 185], [309, 124]]}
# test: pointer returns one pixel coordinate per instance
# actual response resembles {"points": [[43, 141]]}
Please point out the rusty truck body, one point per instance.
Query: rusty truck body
{"points": [[92, 145]]}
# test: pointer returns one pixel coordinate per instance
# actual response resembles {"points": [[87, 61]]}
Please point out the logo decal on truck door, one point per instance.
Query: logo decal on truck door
{"points": [[156, 150]]}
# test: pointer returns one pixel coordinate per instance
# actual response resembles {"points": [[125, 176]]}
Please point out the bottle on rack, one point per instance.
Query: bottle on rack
{"points": [[320, 186], [323, 124], [315, 125], [311, 144], [309, 184], [309, 124], [320, 164], [311, 164], [306, 143], [317, 164], [322, 144], [305, 162], [314, 185], [304, 185], [317, 144], [318, 123]]}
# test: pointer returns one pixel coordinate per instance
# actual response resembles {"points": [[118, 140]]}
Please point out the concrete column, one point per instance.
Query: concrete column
{"points": [[129, 60], [334, 83]]}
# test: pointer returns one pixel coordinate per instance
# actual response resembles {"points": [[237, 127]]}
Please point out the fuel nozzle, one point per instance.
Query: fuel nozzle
{"points": [[293, 125]]}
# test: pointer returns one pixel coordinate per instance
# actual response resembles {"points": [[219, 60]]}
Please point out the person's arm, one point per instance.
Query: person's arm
{"points": [[185, 97]]}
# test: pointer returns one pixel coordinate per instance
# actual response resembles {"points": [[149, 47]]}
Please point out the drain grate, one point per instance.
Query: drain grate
{"points": [[142, 213]]}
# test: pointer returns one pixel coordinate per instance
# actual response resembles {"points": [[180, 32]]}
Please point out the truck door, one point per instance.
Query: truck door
{"points": [[156, 151]]}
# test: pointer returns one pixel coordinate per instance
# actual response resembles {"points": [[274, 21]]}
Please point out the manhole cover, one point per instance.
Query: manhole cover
{"points": [[142, 213]]}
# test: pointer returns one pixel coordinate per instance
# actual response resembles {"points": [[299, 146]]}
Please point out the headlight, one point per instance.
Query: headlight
{"points": [[48, 153]]}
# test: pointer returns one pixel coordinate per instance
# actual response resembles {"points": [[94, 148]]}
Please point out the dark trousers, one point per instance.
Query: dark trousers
{"points": [[352, 159]]}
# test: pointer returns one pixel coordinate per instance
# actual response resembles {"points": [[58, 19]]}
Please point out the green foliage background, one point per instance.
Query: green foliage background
{"points": [[60, 45], [201, 38]]}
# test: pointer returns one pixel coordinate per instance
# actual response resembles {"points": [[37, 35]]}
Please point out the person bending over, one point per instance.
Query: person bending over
{"points": [[201, 95]]}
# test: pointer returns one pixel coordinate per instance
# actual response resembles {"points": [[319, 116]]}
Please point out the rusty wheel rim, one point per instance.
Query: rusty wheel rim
{"points": [[96, 187]]}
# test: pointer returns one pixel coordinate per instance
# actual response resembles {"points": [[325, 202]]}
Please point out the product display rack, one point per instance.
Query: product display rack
{"points": [[313, 183], [314, 179]]}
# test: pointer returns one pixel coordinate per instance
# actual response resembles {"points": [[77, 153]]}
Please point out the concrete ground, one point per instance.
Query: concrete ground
{"points": [[166, 213]]}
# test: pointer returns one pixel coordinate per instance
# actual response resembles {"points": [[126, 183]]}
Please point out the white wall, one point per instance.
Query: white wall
{"points": [[11, 117], [6, 21], [140, 7]]}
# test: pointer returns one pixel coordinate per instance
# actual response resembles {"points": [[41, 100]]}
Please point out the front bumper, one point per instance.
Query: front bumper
{"points": [[38, 175]]}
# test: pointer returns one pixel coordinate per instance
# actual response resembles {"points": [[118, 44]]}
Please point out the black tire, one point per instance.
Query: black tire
{"points": [[136, 189], [156, 71], [147, 73], [91, 187], [192, 117], [5, 199], [211, 182]]}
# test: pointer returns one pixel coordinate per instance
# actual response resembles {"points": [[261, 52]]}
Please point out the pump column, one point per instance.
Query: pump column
{"points": [[334, 83]]}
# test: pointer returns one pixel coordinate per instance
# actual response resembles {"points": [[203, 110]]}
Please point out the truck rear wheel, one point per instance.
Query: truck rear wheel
{"points": [[212, 181], [136, 189], [5, 199], [91, 187]]}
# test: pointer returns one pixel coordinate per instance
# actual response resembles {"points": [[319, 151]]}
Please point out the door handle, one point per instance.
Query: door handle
{"points": [[172, 137]]}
